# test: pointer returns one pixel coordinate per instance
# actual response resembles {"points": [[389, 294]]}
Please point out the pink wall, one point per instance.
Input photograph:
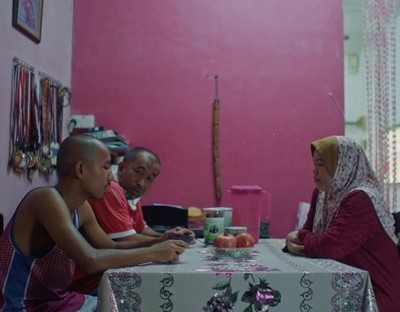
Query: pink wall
{"points": [[146, 69], [51, 56]]}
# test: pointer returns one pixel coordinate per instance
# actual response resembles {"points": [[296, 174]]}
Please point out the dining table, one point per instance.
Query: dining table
{"points": [[261, 278]]}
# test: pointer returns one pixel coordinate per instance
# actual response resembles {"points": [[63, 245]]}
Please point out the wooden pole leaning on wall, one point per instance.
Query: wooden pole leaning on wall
{"points": [[217, 175]]}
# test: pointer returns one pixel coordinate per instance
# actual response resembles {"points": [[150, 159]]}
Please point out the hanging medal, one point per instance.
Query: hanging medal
{"points": [[35, 134], [36, 120], [16, 156], [20, 111], [54, 146], [44, 162]]}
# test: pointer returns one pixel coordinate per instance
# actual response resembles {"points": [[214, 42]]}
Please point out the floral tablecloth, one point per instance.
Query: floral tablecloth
{"points": [[269, 280]]}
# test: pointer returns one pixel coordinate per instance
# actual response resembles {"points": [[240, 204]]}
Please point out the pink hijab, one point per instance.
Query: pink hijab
{"points": [[352, 172]]}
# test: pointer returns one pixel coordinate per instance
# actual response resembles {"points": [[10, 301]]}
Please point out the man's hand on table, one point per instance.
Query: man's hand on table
{"points": [[168, 250], [180, 233], [293, 244]]}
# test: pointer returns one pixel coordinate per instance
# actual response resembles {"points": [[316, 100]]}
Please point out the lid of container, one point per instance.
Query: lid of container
{"points": [[215, 208], [245, 189]]}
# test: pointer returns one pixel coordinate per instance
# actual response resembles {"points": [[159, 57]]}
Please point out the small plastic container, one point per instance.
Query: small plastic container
{"points": [[227, 216], [234, 230], [214, 223]]}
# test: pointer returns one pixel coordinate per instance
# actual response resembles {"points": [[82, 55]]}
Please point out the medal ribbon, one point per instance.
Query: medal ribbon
{"points": [[22, 97], [44, 84], [36, 117]]}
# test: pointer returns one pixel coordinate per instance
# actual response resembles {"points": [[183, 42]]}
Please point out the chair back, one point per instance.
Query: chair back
{"points": [[165, 217], [396, 216], [1, 223]]}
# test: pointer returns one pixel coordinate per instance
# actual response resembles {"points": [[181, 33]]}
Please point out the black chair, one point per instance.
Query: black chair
{"points": [[396, 216], [1, 223], [165, 217]]}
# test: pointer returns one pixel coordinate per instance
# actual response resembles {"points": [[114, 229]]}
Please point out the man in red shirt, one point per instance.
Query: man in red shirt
{"points": [[119, 212]]}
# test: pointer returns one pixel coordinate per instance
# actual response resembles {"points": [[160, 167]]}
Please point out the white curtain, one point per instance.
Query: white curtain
{"points": [[379, 32]]}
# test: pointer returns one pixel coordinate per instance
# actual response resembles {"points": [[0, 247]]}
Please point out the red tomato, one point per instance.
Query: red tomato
{"points": [[244, 240], [224, 241]]}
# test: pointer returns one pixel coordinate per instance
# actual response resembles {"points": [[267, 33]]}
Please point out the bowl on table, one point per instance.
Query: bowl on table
{"points": [[231, 253]]}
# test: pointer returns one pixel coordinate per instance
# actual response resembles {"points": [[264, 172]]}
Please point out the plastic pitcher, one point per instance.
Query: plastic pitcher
{"points": [[251, 205]]}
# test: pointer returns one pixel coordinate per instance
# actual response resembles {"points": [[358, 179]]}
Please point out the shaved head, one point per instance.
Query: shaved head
{"points": [[131, 155], [76, 148]]}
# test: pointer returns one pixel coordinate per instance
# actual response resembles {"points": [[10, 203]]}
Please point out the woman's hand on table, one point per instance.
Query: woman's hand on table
{"points": [[293, 244]]}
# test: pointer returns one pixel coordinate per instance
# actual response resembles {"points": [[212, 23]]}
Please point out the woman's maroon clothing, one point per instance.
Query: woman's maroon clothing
{"points": [[356, 237]]}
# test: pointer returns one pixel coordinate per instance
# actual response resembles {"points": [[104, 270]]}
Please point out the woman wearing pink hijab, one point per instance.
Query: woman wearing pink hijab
{"points": [[349, 220]]}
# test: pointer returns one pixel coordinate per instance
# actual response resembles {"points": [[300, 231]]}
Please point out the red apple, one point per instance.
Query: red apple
{"points": [[244, 240], [224, 241]]}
